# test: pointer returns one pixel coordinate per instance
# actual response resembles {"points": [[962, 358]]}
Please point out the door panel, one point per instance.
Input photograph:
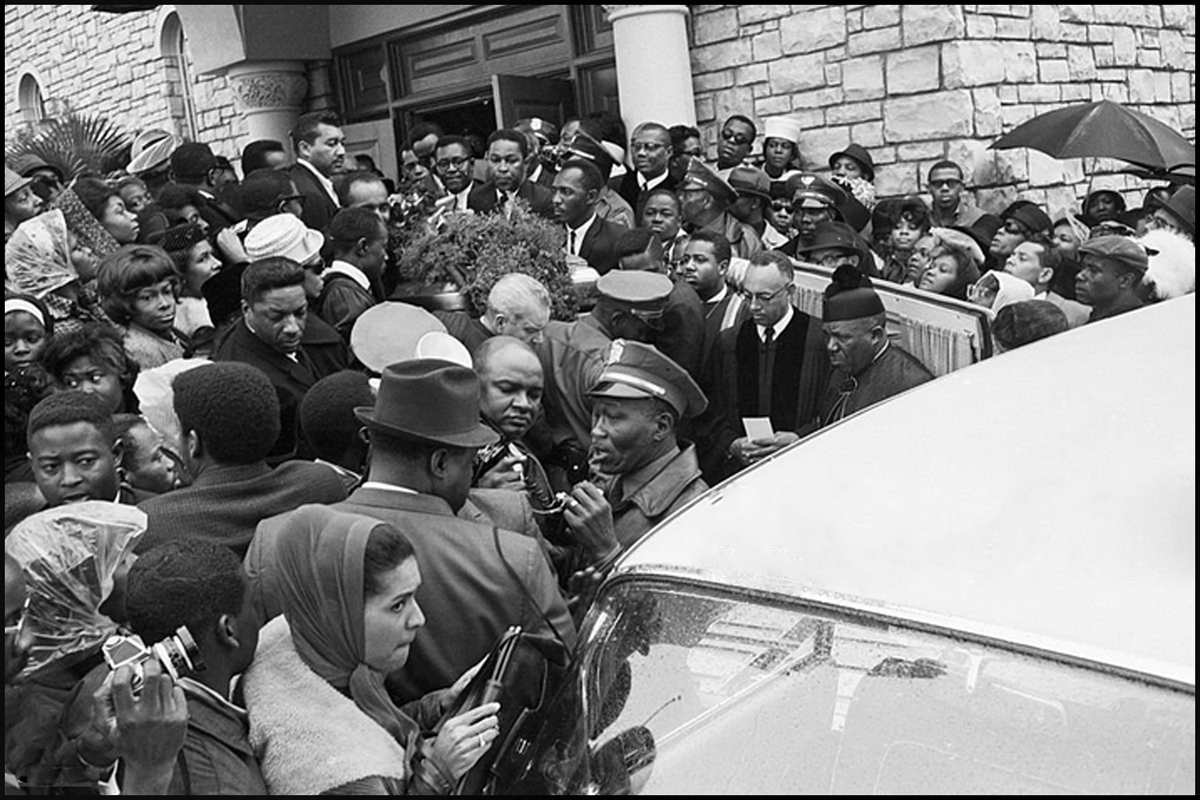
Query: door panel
{"points": [[552, 99]]}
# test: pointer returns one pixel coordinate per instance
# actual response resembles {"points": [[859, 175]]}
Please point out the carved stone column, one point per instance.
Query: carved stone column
{"points": [[269, 95], [654, 68]]}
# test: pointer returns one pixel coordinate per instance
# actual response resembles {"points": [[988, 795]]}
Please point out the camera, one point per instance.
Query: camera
{"points": [[179, 655]]}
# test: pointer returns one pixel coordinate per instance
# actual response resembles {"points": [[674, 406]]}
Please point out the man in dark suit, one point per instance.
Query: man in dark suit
{"points": [[271, 336], [194, 165], [507, 157], [650, 146], [773, 365], [320, 154], [704, 265], [591, 241], [477, 580], [229, 415]]}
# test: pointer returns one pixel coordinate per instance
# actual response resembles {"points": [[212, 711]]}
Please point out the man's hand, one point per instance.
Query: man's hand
{"points": [[230, 246], [582, 588], [148, 730], [509, 473], [746, 451], [589, 516]]}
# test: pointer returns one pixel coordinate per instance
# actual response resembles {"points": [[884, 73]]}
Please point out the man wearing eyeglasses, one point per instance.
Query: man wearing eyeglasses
{"points": [[773, 365], [704, 199], [455, 167], [650, 146], [737, 137], [949, 208]]}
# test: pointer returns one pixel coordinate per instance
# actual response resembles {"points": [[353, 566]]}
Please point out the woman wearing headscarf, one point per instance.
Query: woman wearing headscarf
{"points": [[75, 558], [346, 584], [997, 289], [40, 260]]}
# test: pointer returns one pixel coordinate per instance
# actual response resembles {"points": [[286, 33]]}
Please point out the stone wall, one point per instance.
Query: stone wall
{"points": [[110, 65], [916, 84]]}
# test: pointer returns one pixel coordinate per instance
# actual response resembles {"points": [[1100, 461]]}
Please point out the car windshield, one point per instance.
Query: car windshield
{"points": [[691, 690]]}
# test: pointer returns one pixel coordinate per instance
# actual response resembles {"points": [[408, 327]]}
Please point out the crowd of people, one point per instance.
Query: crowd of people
{"points": [[317, 550]]}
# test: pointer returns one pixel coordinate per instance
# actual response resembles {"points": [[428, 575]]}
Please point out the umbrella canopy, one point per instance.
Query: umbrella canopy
{"points": [[1102, 129]]}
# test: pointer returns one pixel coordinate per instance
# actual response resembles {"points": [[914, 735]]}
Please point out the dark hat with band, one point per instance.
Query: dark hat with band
{"points": [[636, 371]]}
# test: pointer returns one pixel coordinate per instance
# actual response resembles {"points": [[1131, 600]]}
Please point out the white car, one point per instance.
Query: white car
{"points": [[985, 585]]}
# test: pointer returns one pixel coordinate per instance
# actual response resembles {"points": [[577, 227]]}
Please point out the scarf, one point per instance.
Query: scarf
{"points": [[87, 229], [320, 584]]}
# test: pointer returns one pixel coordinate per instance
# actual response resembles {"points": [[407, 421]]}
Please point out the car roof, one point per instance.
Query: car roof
{"points": [[1045, 497]]}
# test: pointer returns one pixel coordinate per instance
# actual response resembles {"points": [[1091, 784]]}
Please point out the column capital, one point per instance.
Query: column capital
{"points": [[616, 12], [267, 85]]}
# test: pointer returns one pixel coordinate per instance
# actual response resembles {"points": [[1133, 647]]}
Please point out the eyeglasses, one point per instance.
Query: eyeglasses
{"points": [[1015, 229], [452, 163], [316, 267], [781, 205], [735, 137], [947, 183], [649, 147], [763, 299]]}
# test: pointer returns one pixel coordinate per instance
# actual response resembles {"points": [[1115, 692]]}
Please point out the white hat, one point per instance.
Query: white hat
{"points": [[284, 235], [782, 128]]}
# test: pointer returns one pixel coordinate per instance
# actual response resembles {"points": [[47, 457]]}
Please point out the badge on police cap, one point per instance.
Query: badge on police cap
{"points": [[637, 371]]}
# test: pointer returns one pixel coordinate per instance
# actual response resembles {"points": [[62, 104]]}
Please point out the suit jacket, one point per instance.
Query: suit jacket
{"points": [[482, 199], [599, 245], [342, 302], [470, 592], [632, 193], [319, 208], [291, 379], [226, 503]]}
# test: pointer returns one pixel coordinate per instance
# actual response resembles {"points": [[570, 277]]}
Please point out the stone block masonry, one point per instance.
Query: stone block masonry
{"points": [[918, 83], [110, 65]]}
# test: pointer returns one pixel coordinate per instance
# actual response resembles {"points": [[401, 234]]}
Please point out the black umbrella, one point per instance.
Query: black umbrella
{"points": [[1103, 129]]}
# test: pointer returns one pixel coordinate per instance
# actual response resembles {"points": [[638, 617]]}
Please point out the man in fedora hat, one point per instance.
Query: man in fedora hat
{"points": [[754, 193], [867, 368], [477, 580], [650, 147], [705, 198], [1178, 213], [641, 472], [630, 306], [853, 162], [1021, 221]]}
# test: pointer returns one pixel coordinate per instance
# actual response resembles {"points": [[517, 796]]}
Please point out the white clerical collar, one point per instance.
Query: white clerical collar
{"points": [[778, 327], [388, 487], [352, 272], [326, 184], [581, 232]]}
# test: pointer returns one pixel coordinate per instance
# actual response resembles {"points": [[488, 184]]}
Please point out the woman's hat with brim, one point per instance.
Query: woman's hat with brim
{"points": [[429, 400], [859, 154], [13, 182], [155, 152], [391, 332], [284, 235]]}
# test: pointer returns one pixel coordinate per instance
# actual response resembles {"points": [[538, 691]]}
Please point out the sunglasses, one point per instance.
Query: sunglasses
{"points": [[781, 205], [947, 183], [736, 138]]}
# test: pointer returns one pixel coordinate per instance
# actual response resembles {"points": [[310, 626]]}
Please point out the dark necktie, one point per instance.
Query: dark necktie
{"points": [[766, 368], [571, 246]]}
